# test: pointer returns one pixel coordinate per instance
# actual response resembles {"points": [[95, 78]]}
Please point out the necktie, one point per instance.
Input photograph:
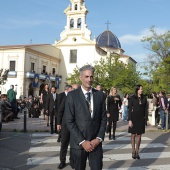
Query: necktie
{"points": [[88, 96]]}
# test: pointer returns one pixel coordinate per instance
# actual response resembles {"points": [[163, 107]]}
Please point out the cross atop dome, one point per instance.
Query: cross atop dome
{"points": [[107, 23]]}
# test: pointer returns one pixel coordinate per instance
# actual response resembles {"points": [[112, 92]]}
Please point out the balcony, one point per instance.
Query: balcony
{"points": [[43, 76], [12, 74]]}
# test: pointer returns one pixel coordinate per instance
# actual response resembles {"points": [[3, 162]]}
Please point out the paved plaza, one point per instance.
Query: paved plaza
{"points": [[38, 149]]}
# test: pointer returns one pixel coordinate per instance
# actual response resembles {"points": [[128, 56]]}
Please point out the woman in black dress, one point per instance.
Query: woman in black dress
{"points": [[113, 105], [43, 98], [137, 119]]}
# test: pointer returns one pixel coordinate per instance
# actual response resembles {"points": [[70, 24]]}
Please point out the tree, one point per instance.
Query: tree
{"points": [[110, 72], [3, 76], [158, 62]]}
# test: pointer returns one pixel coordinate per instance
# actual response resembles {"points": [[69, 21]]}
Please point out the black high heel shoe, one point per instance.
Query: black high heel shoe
{"points": [[137, 156], [134, 155]]}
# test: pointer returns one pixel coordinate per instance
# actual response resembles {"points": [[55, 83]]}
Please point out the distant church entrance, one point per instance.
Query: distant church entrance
{"points": [[30, 90]]}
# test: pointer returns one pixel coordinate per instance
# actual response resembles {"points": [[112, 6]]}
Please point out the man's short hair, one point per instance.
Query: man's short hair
{"points": [[12, 86], [3, 96], [86, 67], [67, 87], [53, 87]]}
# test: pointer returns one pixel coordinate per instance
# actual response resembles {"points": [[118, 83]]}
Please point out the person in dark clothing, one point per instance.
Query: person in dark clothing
{"points": [[43, 98], [61, 125], [113, 105], [6, 109], [12, 99], [85, 113], [35, 111], [52, 108], [137, 119], [29, 104]]}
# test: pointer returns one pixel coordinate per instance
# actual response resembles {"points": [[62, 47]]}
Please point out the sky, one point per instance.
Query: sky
{"points": [[42, 21]]}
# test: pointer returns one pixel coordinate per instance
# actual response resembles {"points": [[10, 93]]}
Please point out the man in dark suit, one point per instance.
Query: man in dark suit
{"points": [[99, 87], [61, 126], [52, 108], [85, 114]]}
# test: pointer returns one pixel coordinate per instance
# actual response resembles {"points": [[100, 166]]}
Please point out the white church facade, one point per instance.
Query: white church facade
{"points": [[77, 47], [57, 61]]}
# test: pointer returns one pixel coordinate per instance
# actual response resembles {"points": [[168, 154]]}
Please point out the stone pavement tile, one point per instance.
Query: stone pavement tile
{"points": [[32, 124], [14, 148], [39, 124]]}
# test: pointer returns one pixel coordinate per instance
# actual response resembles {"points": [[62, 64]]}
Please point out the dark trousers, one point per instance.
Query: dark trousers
{"points": [[157, 116], [65, 140], [53, 118], [114, 127], [95, 158], [14, 108]]}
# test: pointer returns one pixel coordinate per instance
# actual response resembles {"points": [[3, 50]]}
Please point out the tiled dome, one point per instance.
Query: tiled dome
{"points": [[108, 39]]}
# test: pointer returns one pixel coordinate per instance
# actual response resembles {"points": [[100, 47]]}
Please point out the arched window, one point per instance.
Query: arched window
{"points": [[72, 23], [75, 7], [79, 23]]}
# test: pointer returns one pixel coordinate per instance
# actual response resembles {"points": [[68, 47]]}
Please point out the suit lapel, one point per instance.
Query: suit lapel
{"points": [[94, 101], [83, 101]]}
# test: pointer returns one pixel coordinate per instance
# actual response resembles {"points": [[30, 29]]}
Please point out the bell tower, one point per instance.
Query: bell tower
{"points": [[76, 20]]}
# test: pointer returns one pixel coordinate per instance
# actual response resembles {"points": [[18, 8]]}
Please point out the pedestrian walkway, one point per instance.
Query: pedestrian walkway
{"points": [[32, 124], [39, 125], [44, 152]]}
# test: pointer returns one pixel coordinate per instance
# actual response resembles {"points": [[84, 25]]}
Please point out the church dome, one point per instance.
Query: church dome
{"points": [[108, 39]]}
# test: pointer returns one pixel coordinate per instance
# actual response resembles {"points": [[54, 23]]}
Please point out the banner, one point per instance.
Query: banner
{"points": [[57, 82], [47, 80], [36, 80]]}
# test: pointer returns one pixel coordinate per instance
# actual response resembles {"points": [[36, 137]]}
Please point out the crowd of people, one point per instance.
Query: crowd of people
{"points": [[82, 114]]}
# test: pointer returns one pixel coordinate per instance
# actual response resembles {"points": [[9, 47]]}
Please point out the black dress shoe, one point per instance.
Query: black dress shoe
{"points": [[72, 165], [114, 138], [61, 165], [134, 155], [58, 140], [137, 156]]}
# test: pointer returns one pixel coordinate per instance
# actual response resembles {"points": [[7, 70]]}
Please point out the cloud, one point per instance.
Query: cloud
{"points": [[23, 23], [130, 39], [139, 57]]}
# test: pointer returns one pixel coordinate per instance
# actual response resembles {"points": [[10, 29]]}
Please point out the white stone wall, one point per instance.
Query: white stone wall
{"points": [[48, 56]]}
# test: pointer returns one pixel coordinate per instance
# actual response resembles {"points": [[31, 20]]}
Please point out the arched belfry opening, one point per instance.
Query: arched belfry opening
{"points": [[75, 7], [72, 23], [79, 23]]}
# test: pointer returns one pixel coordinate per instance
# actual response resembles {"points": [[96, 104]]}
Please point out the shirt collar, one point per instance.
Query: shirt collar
{"points": [[66, 93], [84, 91]]}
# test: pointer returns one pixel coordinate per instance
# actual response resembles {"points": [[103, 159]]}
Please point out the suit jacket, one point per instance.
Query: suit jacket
{"points": [[50, 103], [61, 96], [78, 118], [60, 115]]}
